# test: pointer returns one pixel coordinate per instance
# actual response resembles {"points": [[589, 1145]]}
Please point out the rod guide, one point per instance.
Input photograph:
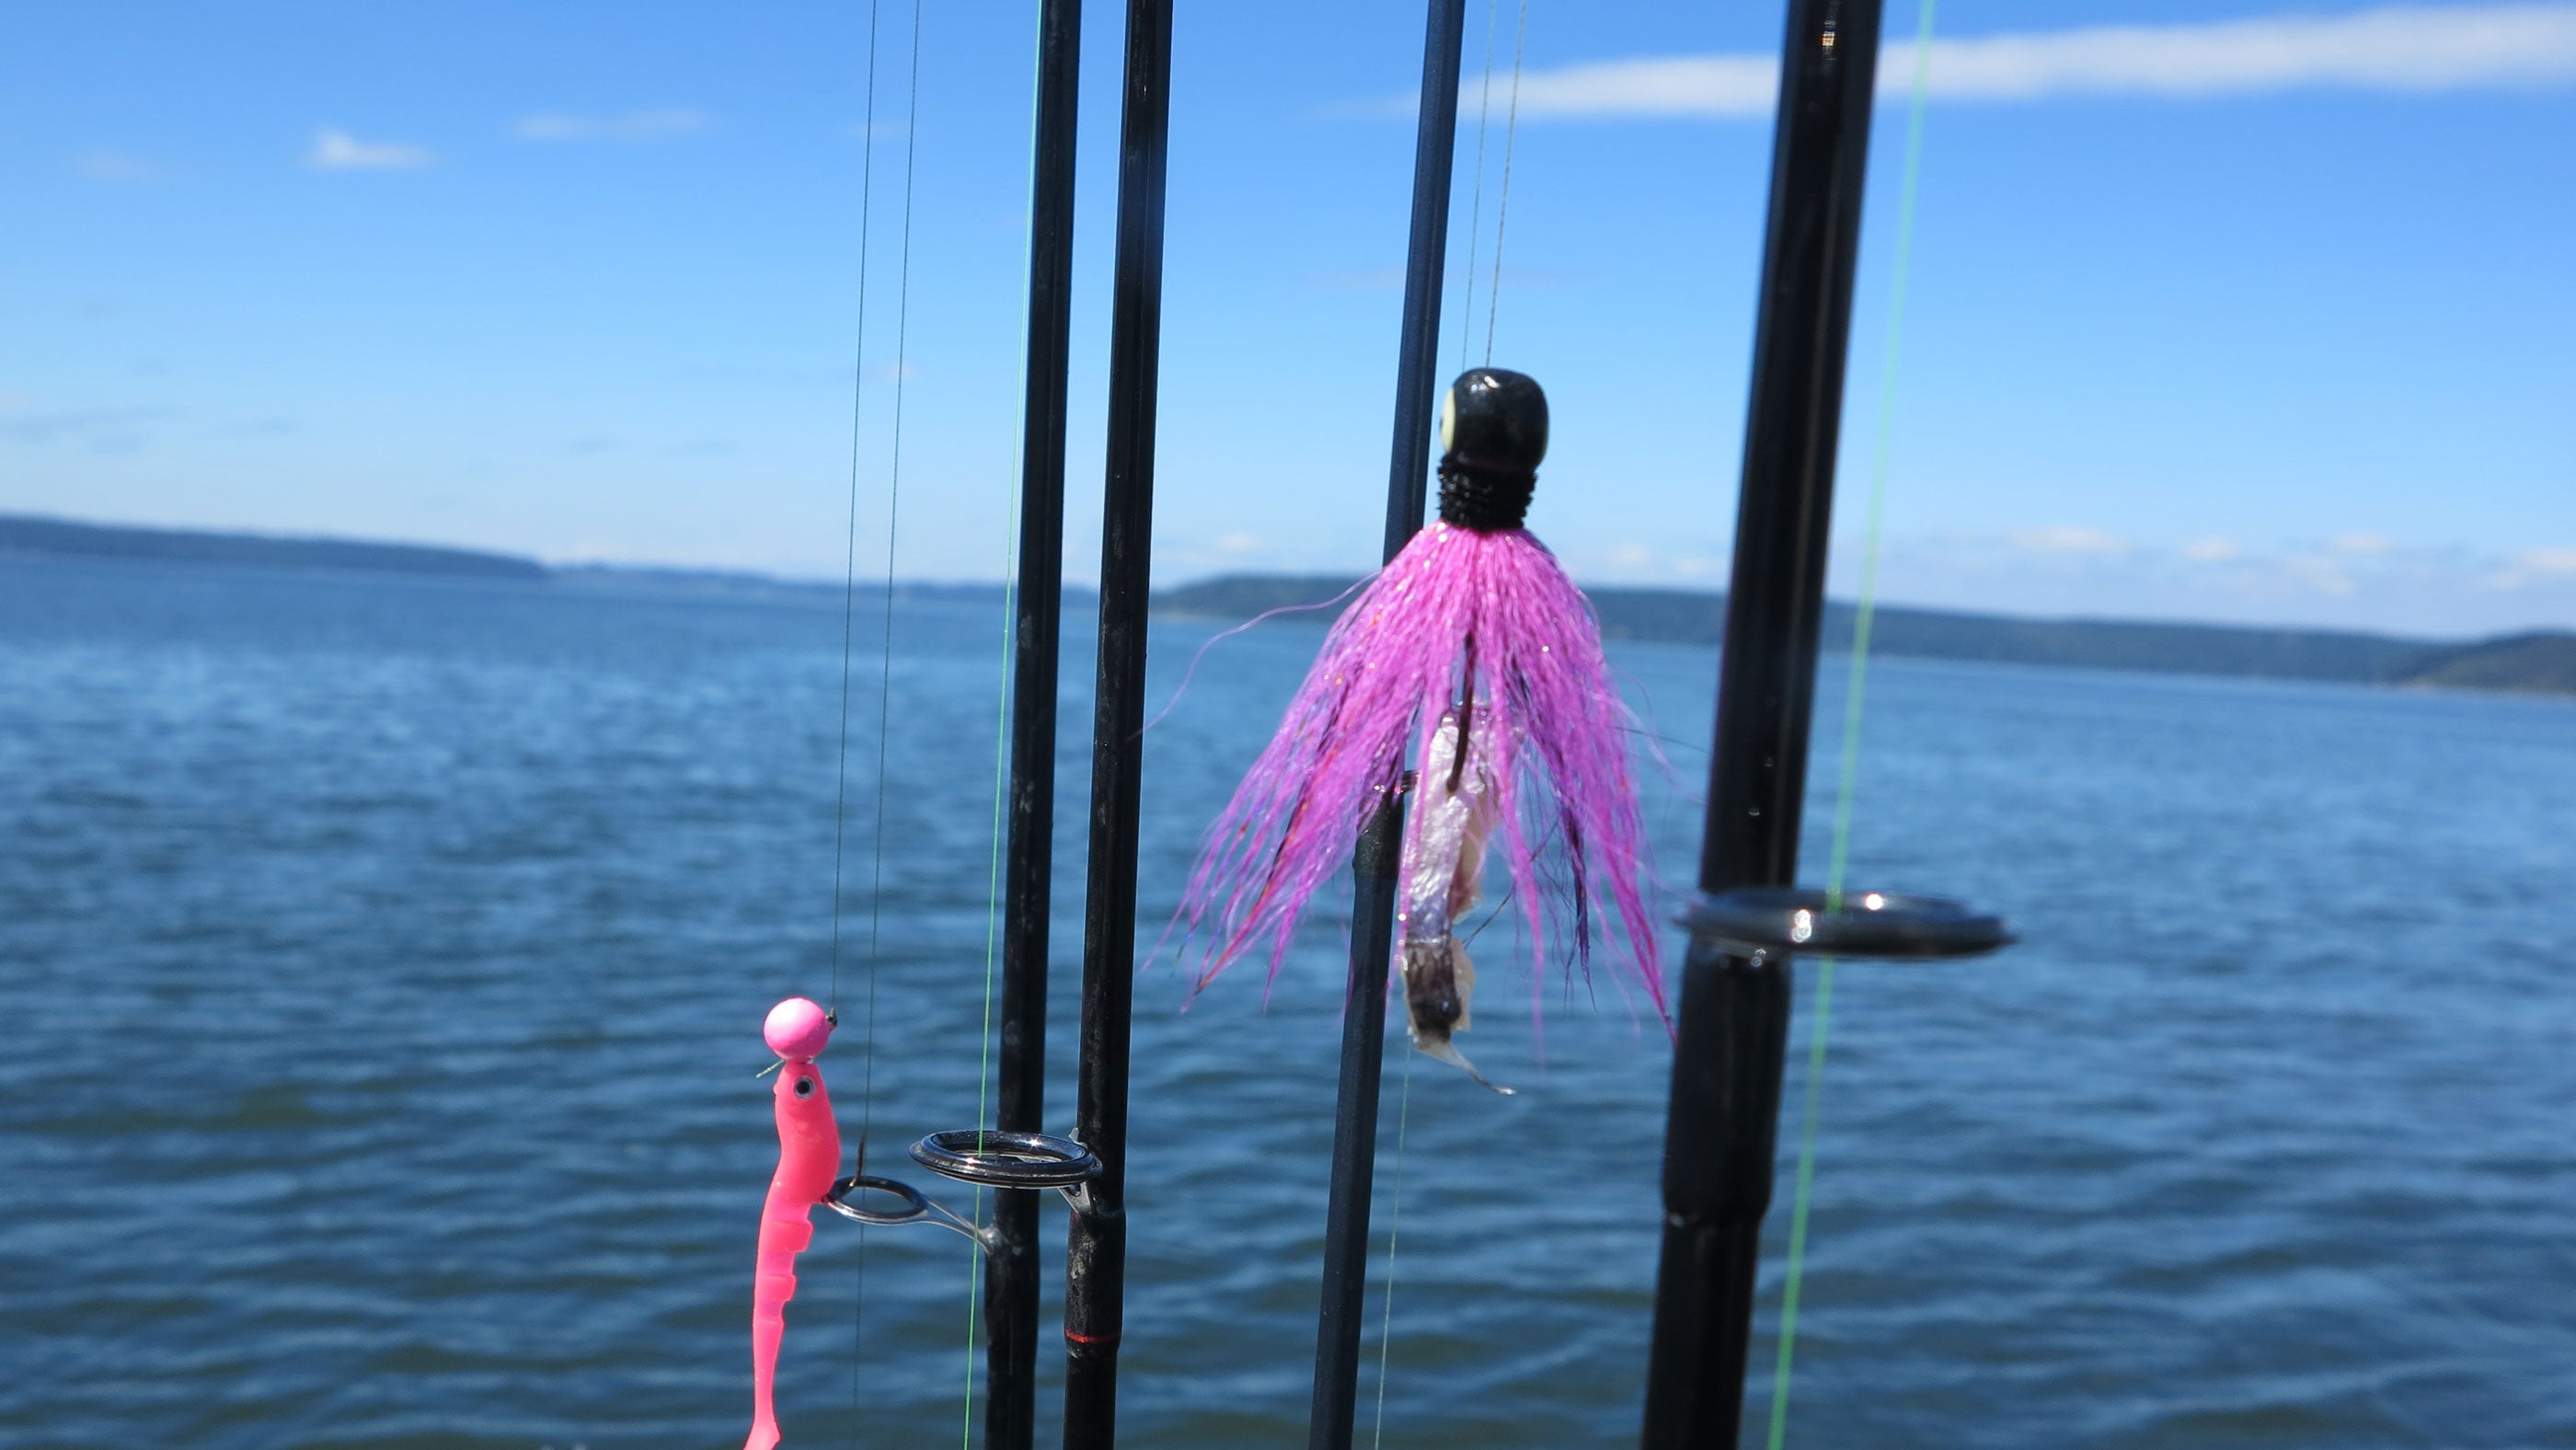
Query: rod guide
{"points": [[1763, 920]]}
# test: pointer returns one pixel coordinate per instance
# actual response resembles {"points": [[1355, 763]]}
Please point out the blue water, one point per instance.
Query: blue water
{"points": [[381, 964]]}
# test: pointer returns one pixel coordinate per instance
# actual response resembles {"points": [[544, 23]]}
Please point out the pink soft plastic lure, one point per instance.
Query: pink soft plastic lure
{"points": [[1471, 631], [809, 1159]]}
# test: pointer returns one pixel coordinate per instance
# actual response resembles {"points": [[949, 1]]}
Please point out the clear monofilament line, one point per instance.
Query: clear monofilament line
{"points": [[1394, 1211], [894, 512], [849, 610], [850, 552], [1476, 208], [1803, 1194], [1503, 206]]}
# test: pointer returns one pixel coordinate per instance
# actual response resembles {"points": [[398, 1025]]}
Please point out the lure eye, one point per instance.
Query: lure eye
{"points": [[804, 1087]]}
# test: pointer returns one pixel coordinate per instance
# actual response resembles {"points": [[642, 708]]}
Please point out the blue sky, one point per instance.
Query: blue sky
{"points": [[2245, 310]]}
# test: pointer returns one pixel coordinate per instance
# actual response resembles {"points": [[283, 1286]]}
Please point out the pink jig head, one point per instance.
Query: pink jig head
{"points": [[809, 1159], [797, 1030], [1474, 652]]}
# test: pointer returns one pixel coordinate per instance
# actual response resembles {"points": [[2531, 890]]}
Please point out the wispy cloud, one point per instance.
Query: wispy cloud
{"points": [[1685, 561], [336, 150], [2402, 48], [653, 125], [2535, 566], [104, 430], [2404, 586], [103, 165], [2068, 539]]}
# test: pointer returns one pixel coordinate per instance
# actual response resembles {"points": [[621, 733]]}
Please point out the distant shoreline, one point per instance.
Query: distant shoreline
{"points": [[2539, 662]]}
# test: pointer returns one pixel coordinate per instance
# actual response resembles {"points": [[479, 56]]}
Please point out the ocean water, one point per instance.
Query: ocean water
{"points": [[381, 966]]}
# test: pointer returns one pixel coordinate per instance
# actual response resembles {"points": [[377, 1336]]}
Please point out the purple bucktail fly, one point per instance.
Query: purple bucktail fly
{"points": [[1474, 649]]}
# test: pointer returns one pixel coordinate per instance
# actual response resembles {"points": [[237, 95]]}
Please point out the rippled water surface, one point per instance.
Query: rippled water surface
{"points": [[381, 964]]}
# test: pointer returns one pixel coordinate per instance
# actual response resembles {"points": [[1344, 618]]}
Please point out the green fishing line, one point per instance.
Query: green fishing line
{"points": [[1001, 775], [1865, 615]]}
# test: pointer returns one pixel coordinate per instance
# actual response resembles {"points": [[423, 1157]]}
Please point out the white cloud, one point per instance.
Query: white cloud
{"points": [[655, 125], [1682, 85], [115, 166], [1237, 543], [2358, 544], [2405, 48], [2068, 539], [2326, 576], [2411, 587], [335, 150], [2554, 566]]}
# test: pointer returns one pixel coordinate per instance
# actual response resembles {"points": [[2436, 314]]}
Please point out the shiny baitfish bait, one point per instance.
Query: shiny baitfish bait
{"points": [[1473, 647], [809, 1158]]}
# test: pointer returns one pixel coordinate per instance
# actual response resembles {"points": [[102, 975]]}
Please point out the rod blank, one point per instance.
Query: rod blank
{"points": [[1417, 382], [1723, 1127], [1011, 1282], [1096, 1249]]}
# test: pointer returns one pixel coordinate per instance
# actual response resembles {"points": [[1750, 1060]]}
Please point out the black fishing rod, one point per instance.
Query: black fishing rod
{"points": [[1346, 1213], [1011, 1269], [1096, 1251], [1723, 1128]]}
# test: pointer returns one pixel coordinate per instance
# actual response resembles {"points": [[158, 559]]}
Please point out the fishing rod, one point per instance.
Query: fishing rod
{"points": [[1011, 1282], [1373, 864], [1016, 1159], [1089, 1168], [1096, 1249], [1722, 1129]]}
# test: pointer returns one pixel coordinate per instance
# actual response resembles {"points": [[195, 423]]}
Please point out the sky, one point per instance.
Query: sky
{"points": [[2245, 310]]}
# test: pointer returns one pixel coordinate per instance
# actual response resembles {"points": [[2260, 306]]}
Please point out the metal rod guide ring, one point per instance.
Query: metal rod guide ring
{"points": [[915, 1208], [1762, 920], [987, 1157], [996, 1159]]}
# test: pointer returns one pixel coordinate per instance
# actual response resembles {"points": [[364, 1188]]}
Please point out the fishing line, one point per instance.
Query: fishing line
{"points": [[885, 658], [894, 505], [1001, 766], [1503, 206], [850, 555], [1863, 618], [849, 609], [1476, 209], [1394, 1207], [1466, 324], [993, 919], [992, 927]]}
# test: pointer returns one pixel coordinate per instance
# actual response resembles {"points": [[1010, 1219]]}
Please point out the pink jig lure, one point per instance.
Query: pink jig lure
{"points": [[809, 1159], [1472, 647]]}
